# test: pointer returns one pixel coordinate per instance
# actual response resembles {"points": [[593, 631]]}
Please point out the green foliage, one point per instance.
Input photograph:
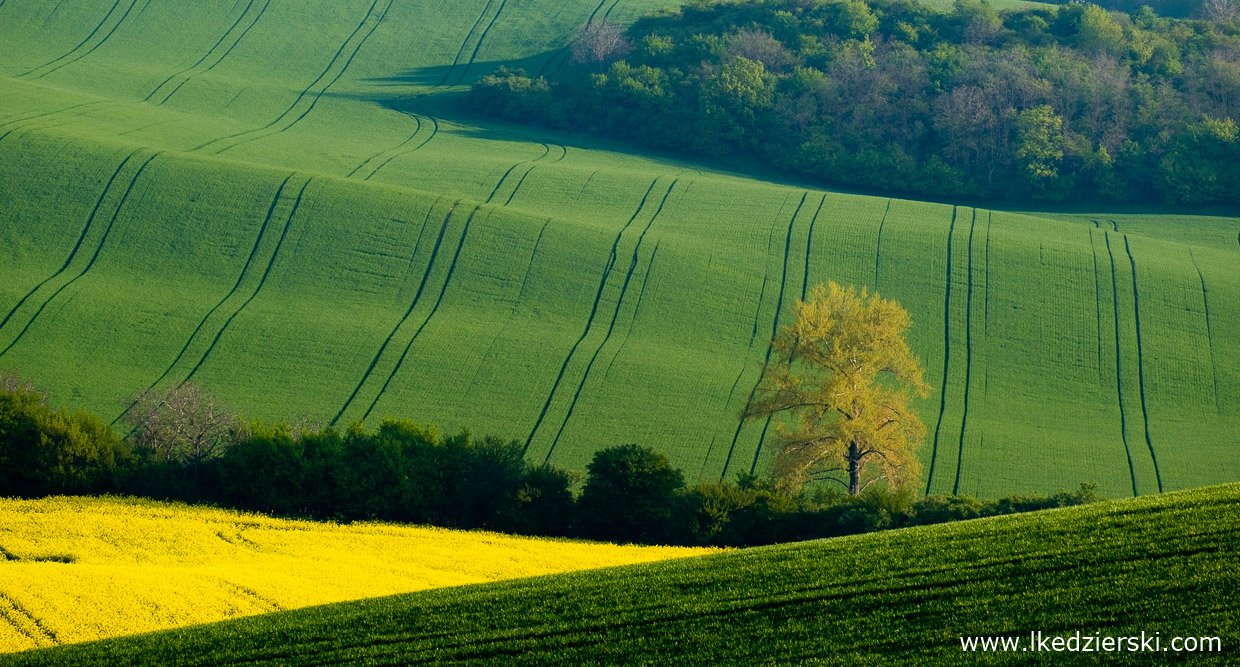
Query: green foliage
{"points": [[403, 472], [45, 451], [1097, 32], [383, 279], [629, 495], [841, 384], [1203, 166], [1039, 151], [1125, 567], [910, 100]]}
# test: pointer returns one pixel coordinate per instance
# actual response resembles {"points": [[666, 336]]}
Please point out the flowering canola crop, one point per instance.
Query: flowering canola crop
{"points": [[77, 569]]}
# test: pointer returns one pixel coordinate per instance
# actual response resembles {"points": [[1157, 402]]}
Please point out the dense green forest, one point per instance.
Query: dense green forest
{"points": [[184, 445], [1053, 103]]}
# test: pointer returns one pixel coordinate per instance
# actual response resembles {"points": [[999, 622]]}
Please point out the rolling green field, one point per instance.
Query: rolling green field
{"points": [[281, 200], [1162, 564]]}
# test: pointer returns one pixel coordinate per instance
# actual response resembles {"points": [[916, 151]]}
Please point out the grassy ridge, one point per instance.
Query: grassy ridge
{"points": [[269, 198], [1117, 569], [80, 569]]}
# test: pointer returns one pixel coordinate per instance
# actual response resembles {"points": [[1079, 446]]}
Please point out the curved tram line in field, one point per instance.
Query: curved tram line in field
{"points": [[968, 355], [312, 93], [417, 297], [779, 306], [947, 349], [598, 296], [385, 157], [1205, 303], [431, 263], [465, 43], [73, 55], [90, 225], [434, 309], [187, 74], [753, 337], [533, 165], [757, 452], [241, 279], [279, 203], [1145, 414], [637, 309], [477, 47], [561, 55], [628, 276]]}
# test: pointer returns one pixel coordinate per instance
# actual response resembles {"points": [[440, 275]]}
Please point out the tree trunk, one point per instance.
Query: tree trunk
{"points": [[854, 470]]}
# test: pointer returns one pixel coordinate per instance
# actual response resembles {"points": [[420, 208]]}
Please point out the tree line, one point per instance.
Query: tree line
{"points": [[184, 445], [1054, 103]]}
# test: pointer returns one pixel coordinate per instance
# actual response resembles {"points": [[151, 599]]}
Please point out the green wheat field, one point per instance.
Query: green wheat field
{"points": [[285, 201]]}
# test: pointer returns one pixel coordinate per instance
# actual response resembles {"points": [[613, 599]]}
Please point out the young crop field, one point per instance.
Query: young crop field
{"points": [[901, 597], [79, 569], [283, 201]]}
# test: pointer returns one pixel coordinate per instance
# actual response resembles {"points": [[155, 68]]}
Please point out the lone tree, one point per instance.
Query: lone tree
{"points": [[185, 424], [599, 43], [841, 383]]}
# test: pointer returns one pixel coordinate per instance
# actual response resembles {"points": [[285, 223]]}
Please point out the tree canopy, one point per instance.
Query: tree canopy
{"points": [[841, 381], [1056, 103]]}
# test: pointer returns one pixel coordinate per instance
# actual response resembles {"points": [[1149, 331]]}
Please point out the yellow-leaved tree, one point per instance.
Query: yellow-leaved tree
{"points": [[840, 384]]}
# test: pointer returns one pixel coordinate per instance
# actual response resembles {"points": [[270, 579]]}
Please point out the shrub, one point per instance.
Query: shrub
{"points": [[629, 495]]}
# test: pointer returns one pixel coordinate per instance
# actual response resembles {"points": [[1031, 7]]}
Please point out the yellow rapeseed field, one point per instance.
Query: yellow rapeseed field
{"points": [[77, 569]]}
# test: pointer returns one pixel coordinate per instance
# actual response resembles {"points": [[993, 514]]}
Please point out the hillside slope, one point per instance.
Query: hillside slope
{"points": [[276, 198], [1164, 564], [79, 569]]}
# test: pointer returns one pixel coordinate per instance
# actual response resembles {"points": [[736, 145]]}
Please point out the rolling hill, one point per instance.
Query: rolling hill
{"points": [[281, 200], [1163, 565], [80, 569]]}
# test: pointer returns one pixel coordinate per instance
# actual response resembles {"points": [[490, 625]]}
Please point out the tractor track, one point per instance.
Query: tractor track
{"points": [[81, 238], [624, 288], [98, 249], [641, 293], [400, 153], [809, 243], [779, 306], [430, 263], [757, 453], [1205, 302], [1145, 414], [465, 43], [42, 635], [394, 150], [245, 270], [500, 184], [598, 296], [1119, 383], [878, 250], [71, 52], [947, 349], [435, 308], [192, 68], [262, 281], [308, 93], [968, 355], [477, 47]]}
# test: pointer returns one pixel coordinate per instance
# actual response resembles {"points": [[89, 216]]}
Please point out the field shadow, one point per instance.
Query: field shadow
{"points": [[437, 91], [436, 76]]}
